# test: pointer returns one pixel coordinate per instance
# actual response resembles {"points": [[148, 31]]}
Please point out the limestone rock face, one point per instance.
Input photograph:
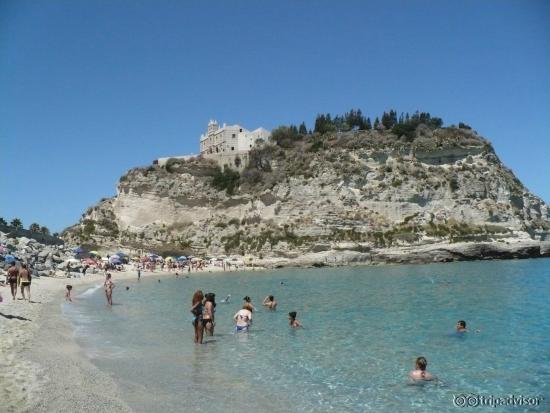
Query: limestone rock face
{"points": [[357, 195]]}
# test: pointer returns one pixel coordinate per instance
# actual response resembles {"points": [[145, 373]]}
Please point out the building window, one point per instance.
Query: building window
{"points": [[251, 146], [233, 135], [240, 130], [232, 148]]}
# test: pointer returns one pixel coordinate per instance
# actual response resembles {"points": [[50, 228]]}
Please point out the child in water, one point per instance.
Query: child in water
{"points": [[293, 322], [420, 372]]}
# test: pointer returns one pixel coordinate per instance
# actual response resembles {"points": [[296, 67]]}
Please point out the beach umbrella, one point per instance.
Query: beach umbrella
{"points": [[182, 258], [94, 253], [78, 250], [9, 258], [169, 259], [121, 254], [116, 261]]}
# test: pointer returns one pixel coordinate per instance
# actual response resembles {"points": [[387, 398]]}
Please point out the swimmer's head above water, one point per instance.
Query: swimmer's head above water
{"points": [[461, 326]]}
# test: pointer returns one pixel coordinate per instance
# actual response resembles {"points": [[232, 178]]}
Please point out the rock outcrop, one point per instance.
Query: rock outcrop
{"points": [[355, 197]]}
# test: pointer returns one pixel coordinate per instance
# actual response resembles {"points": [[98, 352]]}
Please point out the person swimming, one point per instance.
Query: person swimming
{"points": [[292, 321], [248, 300], [270, 303], [227, 299], [461, 326], [243, 318], [420, 373]]}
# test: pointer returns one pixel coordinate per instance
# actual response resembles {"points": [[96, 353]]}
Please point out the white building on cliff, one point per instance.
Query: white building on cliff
{"points": [[230, 144]]}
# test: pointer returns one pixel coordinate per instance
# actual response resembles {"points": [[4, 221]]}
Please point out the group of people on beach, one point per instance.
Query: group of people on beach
{"points": [[203, 308], [19, 277]]}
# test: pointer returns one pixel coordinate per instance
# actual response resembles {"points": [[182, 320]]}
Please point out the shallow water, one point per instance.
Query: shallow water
{"points": [[364, 327]]}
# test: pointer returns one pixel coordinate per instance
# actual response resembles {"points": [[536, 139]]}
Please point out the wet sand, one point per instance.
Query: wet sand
{"points": [[42, 369]]}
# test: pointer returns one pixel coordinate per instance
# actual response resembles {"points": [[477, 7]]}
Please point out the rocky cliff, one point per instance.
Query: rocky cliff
{"points": [[362, 196]]}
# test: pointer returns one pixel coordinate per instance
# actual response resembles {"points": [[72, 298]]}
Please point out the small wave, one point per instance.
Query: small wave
{"points": [[89, 291]]}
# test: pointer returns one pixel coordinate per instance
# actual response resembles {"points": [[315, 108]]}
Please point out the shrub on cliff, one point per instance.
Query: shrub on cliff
{"points": [[227, 180]]}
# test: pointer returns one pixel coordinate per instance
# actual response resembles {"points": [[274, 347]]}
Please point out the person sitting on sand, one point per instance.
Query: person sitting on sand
{"points": [[293, 322], [108, 286], [420, 372], [270, 303], [243, 317], [68, 293]]}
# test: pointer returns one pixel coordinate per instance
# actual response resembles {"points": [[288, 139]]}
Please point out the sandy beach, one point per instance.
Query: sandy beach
{"points": [[42, 369]]}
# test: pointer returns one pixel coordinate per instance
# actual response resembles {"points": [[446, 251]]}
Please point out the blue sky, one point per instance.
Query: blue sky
{"points": [[89, 89]]}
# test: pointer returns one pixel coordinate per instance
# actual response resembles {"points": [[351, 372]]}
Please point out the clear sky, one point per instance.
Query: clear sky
{"points": [[89, 89]]}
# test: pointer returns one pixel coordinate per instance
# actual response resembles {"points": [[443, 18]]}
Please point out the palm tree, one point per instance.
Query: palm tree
{"points": [[34, 227], [16, 223]]}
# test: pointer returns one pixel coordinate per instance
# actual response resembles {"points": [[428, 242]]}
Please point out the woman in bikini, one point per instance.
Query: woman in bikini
{"points": [[208, 313], [108, 286], [243, 318], [197, 309]]}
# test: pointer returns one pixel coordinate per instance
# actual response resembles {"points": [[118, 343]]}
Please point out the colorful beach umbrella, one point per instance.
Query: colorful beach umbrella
{"points": [[182, 258], [94, 253], [9, 258]]}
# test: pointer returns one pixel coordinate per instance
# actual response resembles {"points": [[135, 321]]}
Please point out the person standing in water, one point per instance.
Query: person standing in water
{"points": [[139, 272], [197, 309], [248, 300], [243, 318], [108, 286], [208, 313], [292, 321], [24, 280], [270, 303], [420, 372]]}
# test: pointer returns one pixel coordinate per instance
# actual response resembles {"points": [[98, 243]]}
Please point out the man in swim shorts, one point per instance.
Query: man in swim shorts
{"points": [[24, 281], [11, 279]]}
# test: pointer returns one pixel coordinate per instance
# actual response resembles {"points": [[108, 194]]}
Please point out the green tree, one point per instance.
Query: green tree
{"points": [[34, 227], [285, 136], [3, 221], [44, 230], [376, 123], [302, 130], [16, 223], [368, 125]]}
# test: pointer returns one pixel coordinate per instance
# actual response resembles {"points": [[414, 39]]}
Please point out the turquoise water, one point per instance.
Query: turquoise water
{"points": [[364, 327]]}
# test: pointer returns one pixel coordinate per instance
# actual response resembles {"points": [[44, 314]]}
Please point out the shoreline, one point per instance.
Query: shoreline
{"points": [[43, 369]]}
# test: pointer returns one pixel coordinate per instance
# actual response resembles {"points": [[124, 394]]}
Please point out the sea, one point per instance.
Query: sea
{"points": [[363, 329]]}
